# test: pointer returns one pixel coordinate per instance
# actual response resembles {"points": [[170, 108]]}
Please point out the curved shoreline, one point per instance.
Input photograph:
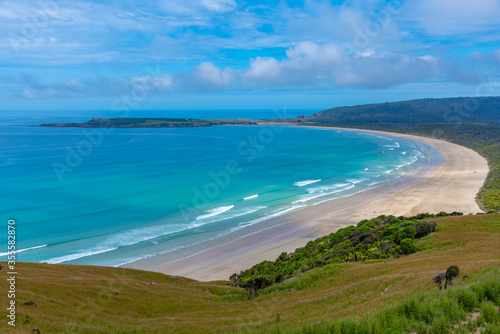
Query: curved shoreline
{"points": [[451, 185]]}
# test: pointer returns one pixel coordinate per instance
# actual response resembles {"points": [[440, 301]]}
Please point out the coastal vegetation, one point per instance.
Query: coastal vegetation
{"points": [[151, 123], [383, 237], [380, 293], [450, 110]]}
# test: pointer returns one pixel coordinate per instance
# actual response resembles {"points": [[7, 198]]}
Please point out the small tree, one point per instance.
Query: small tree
{"points": [[422, 229], [257, 283], [438, 279], [451, 273], [406, 233], [432, 226], [407, 246]]}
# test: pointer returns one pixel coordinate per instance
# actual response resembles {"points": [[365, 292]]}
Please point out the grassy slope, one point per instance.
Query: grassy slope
{"points": [[463, 109], [91, 305]]}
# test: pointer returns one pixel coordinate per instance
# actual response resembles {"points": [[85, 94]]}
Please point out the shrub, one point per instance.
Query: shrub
{"points": [[451, 273], [432, 226], [467, 299], [279, 278], [438, 279], [489, 313], [255, 284], [406, 233], [407, 246], [422, 229], [440, 326], [492, 293]]}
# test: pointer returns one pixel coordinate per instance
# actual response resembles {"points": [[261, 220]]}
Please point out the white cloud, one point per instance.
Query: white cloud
{"points": [[492, 58], [220, 6], [207, 74], [320, 54], [190, 7], [449, 17], [383, 70], [263, 69], [158, 84], [309, 63]]}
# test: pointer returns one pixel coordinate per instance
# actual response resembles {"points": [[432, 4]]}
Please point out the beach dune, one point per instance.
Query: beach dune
{"points": [[450, 186]]}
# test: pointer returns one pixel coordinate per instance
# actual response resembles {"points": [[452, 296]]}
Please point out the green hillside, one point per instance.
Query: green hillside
{"points": [[460, 109], [88, 299]]}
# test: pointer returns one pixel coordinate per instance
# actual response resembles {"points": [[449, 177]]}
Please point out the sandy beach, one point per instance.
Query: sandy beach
{"points": [[449, 186]]}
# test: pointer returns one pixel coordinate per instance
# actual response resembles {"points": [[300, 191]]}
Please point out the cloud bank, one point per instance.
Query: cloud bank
{"points": [[62, 48]]}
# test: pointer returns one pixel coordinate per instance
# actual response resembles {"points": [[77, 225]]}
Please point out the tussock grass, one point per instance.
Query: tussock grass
{"points": [[450, 311]]}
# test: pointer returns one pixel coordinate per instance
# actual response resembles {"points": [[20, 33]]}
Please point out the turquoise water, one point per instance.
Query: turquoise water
{"points": [[126, 194]]}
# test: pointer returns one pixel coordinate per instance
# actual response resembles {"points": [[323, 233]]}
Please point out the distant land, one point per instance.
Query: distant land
{"points": [[422, 111], [459, 109], [151, 123]]}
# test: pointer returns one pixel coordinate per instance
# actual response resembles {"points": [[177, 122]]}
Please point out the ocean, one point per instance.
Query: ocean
{"points": [[114, 196]]}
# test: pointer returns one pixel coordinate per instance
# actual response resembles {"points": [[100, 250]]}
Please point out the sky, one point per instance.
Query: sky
{"points": [[230, 54]]}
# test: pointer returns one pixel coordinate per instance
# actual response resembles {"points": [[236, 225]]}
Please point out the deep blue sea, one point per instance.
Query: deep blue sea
{"points": [[113, 196]]}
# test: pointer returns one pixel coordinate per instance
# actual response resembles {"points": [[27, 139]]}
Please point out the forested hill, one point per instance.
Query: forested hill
{"points": [[460, 109]]}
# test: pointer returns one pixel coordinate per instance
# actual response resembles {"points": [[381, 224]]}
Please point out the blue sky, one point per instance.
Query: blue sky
{"points": [[229, 54]]}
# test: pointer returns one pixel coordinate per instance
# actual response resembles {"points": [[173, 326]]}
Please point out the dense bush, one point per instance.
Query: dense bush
{"points": [[417, 111], [451, 273], [378, 238], [407, 246]]}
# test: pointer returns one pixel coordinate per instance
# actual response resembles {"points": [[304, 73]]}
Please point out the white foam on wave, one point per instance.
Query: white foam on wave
{"points": [[261, 219], [309, 198], [235, 214], [215, 212], [315, 195], [326, 188], [346, 195], [138, 235], [396, 145], [355, 181], [78, 255], [412, 160], [250, 197], [305, 183], [22, 250], [375, 183]]}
